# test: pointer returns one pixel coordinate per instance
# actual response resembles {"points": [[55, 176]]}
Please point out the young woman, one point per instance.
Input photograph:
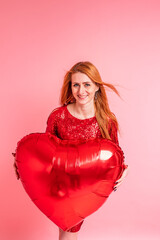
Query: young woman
{"points": [[84, 114]]}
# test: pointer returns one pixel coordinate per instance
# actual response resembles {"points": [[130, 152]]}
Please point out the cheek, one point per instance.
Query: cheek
{"points": [[92, 91], [73, 90]]}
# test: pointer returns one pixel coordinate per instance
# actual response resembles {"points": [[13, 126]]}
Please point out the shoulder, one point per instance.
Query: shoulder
{"points": [[57, 112], [113, 130], [112, 124]]}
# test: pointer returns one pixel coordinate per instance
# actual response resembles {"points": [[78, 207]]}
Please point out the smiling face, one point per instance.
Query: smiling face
{"points": [[83, 88]]}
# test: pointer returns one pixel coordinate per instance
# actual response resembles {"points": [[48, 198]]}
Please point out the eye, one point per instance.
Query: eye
{"points": [[75, 85], [87, 84]]}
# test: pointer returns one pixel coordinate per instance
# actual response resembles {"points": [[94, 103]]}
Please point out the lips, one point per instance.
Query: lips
{"points": [[82, 97]]}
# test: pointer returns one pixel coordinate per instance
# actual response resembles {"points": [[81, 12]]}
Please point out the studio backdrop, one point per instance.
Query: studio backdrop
{"points": [[41, 40]]}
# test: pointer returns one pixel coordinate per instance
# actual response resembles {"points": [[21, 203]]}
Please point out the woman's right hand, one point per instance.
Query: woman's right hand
{"points": [[15, 167]]}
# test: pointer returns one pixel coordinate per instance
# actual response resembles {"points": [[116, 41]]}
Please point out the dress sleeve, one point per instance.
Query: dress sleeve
{"points": [[52, 123], [113, 132]]}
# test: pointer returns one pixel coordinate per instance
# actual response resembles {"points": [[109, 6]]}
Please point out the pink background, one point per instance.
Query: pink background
{"points": [[40, 40]]}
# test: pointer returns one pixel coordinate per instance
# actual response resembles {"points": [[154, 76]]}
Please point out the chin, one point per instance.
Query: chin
{"points": [[82, 102]]}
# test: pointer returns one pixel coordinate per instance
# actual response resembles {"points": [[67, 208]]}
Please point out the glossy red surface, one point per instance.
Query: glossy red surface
{"points": [[68, 179]]}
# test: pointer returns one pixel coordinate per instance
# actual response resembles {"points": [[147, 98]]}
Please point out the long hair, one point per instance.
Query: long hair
{"points": [[102, 111]]}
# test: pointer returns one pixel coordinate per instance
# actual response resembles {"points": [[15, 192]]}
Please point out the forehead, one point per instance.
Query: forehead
{"points": [[80, 77]]}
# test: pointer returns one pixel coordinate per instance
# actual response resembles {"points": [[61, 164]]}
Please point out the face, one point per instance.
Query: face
{"points": [[83, 88]]}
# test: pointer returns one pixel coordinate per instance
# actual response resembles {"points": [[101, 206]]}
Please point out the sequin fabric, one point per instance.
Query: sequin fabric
{"points": [[67, 127]]}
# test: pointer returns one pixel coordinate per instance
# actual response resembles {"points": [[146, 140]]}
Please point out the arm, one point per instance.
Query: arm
{"points": [[113, 132], [52, 123], [114, 138]]}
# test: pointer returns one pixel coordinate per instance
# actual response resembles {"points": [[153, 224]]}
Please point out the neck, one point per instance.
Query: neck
{"points": [[84, 111]]}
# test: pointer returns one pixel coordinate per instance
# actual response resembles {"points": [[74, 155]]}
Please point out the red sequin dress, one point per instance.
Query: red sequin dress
{"points": [[65, 126]]}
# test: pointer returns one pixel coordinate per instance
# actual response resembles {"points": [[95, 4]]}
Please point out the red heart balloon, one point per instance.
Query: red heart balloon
{"points": [[68, 179]]}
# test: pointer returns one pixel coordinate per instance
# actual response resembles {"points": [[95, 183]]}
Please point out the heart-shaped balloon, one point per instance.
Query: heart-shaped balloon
{"points": [[68, 179]]}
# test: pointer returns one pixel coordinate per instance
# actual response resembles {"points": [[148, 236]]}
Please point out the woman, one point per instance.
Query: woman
{"points": [[84, 114]]}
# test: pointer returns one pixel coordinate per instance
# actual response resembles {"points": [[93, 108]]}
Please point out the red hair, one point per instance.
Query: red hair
{"points": [[102, 110]]}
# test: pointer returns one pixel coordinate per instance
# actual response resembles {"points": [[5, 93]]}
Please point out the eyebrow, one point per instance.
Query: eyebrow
{"points": [[78, 83]]}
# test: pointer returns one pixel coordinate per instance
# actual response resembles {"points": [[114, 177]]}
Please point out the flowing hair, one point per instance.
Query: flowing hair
{"points": [[102, 111]]}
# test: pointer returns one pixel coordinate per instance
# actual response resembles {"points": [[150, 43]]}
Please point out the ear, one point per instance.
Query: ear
{"points": [[97, 88]]}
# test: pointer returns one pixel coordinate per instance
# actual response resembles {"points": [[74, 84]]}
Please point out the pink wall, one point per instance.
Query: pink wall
{"points": [[39, 41]]}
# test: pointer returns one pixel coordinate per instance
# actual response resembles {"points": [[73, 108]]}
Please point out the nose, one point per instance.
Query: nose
{"points": [[81, 89]]}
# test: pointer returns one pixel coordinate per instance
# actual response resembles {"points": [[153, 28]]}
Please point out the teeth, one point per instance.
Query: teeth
{"points": [[82, 97]]}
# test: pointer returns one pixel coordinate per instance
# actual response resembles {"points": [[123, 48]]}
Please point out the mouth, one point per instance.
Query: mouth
{"points": [[82, 97]]}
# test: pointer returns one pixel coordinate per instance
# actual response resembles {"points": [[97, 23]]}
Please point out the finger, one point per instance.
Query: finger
{"points": [[118, 184], [17, 175], [13, 154], [125, 172], [16, 170]]}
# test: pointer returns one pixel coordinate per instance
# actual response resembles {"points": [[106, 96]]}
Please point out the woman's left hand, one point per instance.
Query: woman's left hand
{"points": [[120, 180], [15, 167]]}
